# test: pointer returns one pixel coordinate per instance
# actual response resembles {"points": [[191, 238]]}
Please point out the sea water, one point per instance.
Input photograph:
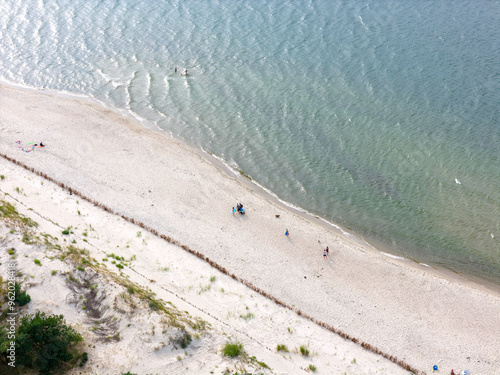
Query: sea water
{"points": [[382, 117]]}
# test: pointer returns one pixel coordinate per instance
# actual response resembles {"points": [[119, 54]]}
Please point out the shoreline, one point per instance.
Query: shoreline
{"points": [[188, 206], [472, 280]]}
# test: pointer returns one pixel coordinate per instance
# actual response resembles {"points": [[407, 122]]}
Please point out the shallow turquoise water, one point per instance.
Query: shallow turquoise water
{"points": [[380, 117]]}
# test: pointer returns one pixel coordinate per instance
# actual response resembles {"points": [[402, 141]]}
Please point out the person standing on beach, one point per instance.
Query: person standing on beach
{"points": [[287, 233], [234, 210], [327, 251]]}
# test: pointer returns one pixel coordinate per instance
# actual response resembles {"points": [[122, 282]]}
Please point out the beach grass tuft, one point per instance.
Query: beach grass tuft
{"points": [[282, 348], [304, 351], [233, 349]]}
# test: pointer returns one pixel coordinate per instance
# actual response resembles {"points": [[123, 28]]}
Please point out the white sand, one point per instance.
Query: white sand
{"points": [[179, 277], [417, 316]]}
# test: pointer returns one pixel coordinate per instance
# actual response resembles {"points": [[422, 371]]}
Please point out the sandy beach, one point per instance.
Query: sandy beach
{"points": [[413, 313]]}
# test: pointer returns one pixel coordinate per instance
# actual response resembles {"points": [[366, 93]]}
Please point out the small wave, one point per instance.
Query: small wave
{"points": [[233, 169], [393, 256]]}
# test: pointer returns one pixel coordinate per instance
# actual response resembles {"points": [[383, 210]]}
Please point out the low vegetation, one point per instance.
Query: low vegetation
{"points": [[22, 298], [13, 218], [233, 349], [44, 343], [282, 348]]}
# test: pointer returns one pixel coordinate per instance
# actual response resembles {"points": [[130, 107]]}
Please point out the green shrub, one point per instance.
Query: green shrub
{"points": [[22, 298], [83, 359], [45, 343], [12, 251], [312, 368], [183, 340], [66, 231], [37, 262], [233, 349]]}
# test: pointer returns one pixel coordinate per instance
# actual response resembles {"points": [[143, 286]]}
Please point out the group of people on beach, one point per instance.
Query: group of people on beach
{"points": [[239, 208], [463, 372], [31, 146]]}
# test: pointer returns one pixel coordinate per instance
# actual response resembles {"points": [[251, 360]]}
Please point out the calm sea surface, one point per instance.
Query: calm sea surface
{"points": [[382, 117]]}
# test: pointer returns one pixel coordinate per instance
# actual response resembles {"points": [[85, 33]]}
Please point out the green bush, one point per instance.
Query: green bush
{"points": [[22, 298], [45, 343], [83, 359], [183, 340], [233, 349]]}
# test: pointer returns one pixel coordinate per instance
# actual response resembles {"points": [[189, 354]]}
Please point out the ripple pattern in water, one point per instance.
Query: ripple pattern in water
{"points": [[382, 117]]}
